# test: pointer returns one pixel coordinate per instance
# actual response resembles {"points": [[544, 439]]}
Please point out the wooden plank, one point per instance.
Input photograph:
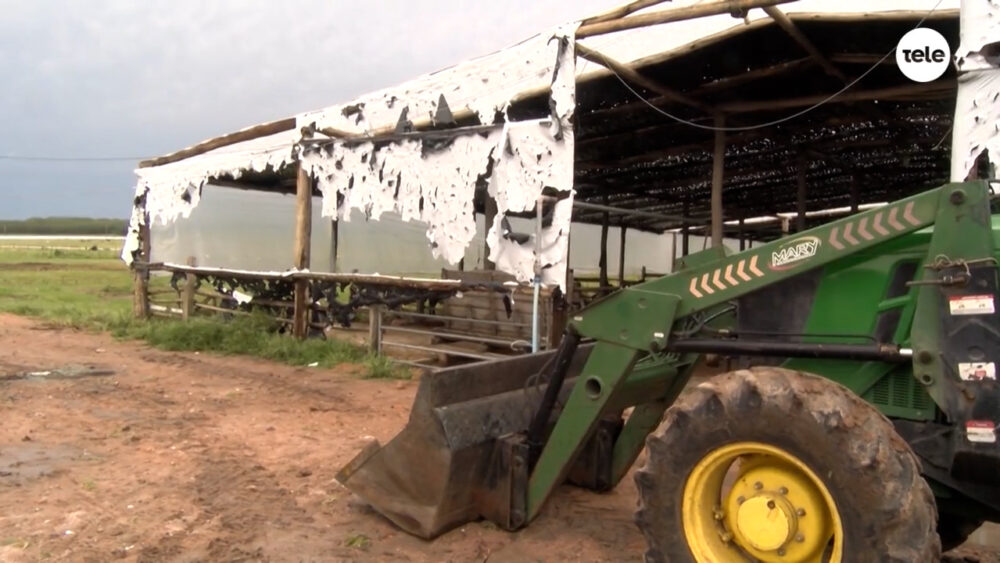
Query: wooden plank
{"points": [[673, 15], [250, 133]]}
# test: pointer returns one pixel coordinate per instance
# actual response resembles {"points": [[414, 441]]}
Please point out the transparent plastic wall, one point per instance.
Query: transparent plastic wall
{"points": [[251, 230]]}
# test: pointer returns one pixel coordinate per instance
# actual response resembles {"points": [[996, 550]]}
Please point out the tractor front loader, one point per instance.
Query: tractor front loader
{"points": [[866, 430]]}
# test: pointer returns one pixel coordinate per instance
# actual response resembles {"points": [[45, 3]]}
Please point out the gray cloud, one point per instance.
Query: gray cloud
{"points": [[136, 78]]}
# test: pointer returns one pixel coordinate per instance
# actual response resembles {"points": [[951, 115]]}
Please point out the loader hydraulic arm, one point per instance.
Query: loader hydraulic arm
{"points": [[635, 361]]}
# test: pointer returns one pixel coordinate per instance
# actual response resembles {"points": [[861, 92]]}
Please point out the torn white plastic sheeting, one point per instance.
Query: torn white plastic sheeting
{"points": [[519, 260], [435, 181], [528, 165], [436, 186], [483, 86], [173, 190], [977, 107], [531, 160]]}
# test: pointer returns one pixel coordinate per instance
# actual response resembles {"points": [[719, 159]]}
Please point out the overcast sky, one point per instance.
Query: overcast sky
{"points": [[136, 78]]}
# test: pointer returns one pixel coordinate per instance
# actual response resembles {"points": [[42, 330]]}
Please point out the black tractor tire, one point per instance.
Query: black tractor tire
{"points": [[955, 529], [887, 509]]}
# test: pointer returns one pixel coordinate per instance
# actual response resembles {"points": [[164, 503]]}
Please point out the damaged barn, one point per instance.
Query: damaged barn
{"points": [[729, 121]]}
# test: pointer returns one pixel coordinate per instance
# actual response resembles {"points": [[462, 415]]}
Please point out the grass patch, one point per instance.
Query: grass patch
{"points": [[92, 290], [358, 541], [251, 335]]}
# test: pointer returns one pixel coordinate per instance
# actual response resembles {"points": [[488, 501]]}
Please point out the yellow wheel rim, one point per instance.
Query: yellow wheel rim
{"points": [[750, 499]]}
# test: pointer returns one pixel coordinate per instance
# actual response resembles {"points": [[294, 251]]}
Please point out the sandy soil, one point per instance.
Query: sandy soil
{"points": [[125, 452]]}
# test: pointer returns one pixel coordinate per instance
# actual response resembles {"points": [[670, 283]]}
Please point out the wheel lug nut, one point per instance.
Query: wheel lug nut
{"points": [[801, 512], [740, 500], [758, 485], [783, 490], [781, 551], [800, 538], [718, 514], [726, 537]]}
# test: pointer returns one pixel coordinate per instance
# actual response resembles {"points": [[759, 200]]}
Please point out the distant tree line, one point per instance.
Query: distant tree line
{"points": [[63, 226]]}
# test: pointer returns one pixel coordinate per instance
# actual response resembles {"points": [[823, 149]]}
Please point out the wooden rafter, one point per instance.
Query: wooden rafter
{"points": [[907, 91], [250, 133], [792, 30], [622, 11], [673, 15], [630, 74], [718, 85]]}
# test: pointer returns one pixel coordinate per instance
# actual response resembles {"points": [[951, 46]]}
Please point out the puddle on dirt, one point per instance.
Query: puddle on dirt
{"points": [[30, 460], [65, 372]]}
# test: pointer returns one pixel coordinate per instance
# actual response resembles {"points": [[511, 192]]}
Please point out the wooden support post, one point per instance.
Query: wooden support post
{"points": [[602, 262], [489, 216], [140, 274], [303, 232], [800, 201], [718, 162], [375, 328], [187, 294], [621, 255]]}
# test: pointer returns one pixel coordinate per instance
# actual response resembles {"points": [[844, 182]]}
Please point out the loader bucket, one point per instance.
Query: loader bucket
{"points": [[441, 470]]}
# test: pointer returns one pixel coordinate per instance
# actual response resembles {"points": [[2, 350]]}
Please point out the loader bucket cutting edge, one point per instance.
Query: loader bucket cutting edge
{"points": [[438, 473]]}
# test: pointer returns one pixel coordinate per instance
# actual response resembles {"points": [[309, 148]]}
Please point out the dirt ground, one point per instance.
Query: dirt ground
{"points": [[113, 450]]}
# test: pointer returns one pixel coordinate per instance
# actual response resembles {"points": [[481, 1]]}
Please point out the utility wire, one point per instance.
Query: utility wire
{"points": [[795, 115]]}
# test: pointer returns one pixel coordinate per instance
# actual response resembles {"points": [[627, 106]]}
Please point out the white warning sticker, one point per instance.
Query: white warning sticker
{"points": [[977, 371], [982, 431], [971, 305]]}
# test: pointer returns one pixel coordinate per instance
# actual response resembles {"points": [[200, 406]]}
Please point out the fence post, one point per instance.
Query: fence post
{"points": [[375, 328], [187, 294], [140, 273]]}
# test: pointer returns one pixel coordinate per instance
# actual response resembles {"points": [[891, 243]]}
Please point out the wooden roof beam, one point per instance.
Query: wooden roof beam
{"points": [[630, 74], [920, 90], [622, 11], [793, 30], [250, 133], [673, 15]]}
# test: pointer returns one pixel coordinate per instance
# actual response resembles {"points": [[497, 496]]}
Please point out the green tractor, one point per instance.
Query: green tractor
{"points": [[865, 429]]}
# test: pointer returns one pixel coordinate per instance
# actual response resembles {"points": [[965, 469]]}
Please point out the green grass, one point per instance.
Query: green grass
{"points": [[92, 290]]}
